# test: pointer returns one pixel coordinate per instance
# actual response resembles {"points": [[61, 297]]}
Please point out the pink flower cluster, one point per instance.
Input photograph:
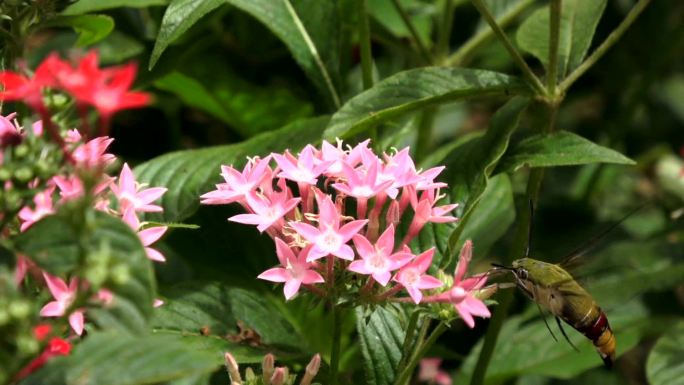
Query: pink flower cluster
{"points": [[341, 208], [129, 200]]}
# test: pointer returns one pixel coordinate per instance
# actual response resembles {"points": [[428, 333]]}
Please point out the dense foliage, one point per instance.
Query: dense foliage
{"points": [[131, 130]]}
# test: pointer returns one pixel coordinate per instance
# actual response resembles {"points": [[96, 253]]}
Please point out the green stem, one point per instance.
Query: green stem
{"points": [[445, 29], [554, 34], [424, 139], [462, 54], [410, 332], [414, 34], [365, 42], [405, 376], [605, 46], [335, 348], [517, 58]]}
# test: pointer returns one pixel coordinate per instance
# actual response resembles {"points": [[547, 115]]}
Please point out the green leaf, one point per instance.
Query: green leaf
{"points": [[209, 85], [52, 244], [179, 16], [579, 19], [470, 165], [307, 27], [216, 308], [90, 28], [189, 174], [414, 89], [120, 359], [86, 6], [492, 217], [560, 148], [381, 337], [665, 365], [420, 14]]}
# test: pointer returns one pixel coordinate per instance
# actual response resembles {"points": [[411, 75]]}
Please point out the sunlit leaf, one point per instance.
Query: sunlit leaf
{"points": [[665, 365], [579, 19], [411, 90]]}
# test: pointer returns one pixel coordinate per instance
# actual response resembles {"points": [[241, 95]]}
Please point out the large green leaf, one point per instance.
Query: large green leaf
{"points": [[579, 19], [420, 13], [307, 27], [209, 85], [216, 308], [665, 365], [52, 244], [85, 6], [188, 174], [560, 148], [471, 164], [180, 15], [381, 337], [90, 28], [414, 89]]}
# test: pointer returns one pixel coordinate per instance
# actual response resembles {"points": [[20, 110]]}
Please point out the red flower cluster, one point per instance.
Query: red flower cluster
{"points": [[55, 347], [105, 89]]}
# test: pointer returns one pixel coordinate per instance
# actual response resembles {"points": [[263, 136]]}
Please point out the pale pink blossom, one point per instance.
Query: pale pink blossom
{"points": [[43, 206], [130, 195], [295, 270], [399, 169], [430, 372], [413, 278], [461, 292], [303, 169], [378, 260], [267, 211], [64, 296], [239, 184], [362, 183], [329, 238], [94, 152]]}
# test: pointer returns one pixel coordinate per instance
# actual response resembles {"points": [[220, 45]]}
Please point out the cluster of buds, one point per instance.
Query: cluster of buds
{"points": [[337, 212], [270, 374]]}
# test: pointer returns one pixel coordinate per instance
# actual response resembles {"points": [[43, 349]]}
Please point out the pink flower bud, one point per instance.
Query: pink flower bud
{"points": [[267, 367], [233, 368], [279, 376], [311, 370]]}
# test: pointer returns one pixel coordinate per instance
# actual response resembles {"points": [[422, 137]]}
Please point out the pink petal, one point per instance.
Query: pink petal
{"points": [[291, 288], [151, 194], [311, 276], [53, 309], [463, 260], [151, 234], [363, 246], [284, 252], [465, 315], [276, 274], [386, 240], [345, 252], [247, 219], [359, 266], [428, 282], [476, 307], [316, 253], [57, 286], [76, 321], [424, 260], [154, 255], [126, 179], [307, 231], [382, 277], [328, 214], [350, 229], [415, 294]]}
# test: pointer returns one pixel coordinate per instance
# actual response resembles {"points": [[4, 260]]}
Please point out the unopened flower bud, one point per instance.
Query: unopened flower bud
{"points": [[267, 367], [233, 368], [19, 309], [5, 174], [311, 370], [393, 214], [250, 377], [279, 376], [21, 150], [23, 174]]}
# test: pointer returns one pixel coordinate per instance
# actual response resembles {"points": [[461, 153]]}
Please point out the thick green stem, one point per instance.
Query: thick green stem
{"points": [[605, 46], [517, 58], [414, 33], [445, 29], [554, 34], [335, 347], [461, 56], [365, 43]]}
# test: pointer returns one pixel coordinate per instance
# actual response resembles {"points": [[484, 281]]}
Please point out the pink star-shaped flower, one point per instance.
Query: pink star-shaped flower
{"points": [[147, 236], [430, 372], [130, 195], [304, 169], [329, 238], [295, 270], [461, 292], [43, 202], [239, 184], [363, 182], [413, 278], [267, 210], [378, 260], [64, 296]]}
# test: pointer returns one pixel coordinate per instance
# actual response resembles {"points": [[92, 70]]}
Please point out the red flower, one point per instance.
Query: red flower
{"points": [[29, 90], [56, 347]]}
